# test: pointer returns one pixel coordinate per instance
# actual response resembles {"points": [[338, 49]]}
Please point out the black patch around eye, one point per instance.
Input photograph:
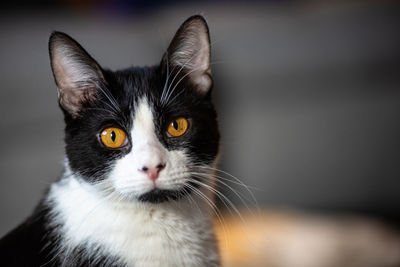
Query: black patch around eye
{"points": [[87, 155]]}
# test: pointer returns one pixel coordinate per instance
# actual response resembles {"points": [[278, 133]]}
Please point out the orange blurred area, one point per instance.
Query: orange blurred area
{"points": [[295, 239]]}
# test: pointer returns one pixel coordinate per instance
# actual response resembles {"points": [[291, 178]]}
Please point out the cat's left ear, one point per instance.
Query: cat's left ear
{"points": [[78, 76], [188, 55]]}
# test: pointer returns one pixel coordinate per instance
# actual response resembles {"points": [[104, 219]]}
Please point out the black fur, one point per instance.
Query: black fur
{"points": [[35, 242]]}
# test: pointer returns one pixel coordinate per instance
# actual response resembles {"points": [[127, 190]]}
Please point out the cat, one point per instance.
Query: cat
{"points": [[141, 145]]}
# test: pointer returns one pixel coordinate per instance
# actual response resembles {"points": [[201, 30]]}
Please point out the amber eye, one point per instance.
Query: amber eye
{"points": [[113, 137], [178, 127]]}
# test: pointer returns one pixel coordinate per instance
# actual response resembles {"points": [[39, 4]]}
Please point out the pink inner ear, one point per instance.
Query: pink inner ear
{"points": [[60, 70], [192, 53], [200, 71], [77, 75], [202, 81]]}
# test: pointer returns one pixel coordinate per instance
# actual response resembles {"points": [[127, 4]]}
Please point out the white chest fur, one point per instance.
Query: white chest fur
{"points": [[167, 234]]}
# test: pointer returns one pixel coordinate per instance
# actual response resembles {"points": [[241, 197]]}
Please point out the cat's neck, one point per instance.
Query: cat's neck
{"points": [[132, 230]]}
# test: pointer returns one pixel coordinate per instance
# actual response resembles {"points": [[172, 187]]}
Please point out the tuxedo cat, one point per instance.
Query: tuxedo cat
{"points": [[141, 145]]}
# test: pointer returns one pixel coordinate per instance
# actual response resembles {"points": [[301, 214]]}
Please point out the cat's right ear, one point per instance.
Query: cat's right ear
{"points": [[189, 54], [76, 73]]}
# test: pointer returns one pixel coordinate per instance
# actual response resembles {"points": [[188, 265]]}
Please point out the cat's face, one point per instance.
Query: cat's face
{"points": [[145, 132]]}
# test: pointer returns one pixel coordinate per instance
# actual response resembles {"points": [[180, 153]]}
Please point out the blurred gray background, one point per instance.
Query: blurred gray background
{"points": [[308, 94]]}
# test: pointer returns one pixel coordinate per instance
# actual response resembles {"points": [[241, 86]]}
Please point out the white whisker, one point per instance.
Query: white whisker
{"points": [[238, 181], [214, 208]]}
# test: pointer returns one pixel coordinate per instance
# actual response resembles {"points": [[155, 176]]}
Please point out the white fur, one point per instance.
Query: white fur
{"points": [[147, 150], [166, 234], [174, 233]]}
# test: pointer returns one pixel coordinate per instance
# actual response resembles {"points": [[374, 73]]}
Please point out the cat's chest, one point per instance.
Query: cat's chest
{"points": [[139, 235]]}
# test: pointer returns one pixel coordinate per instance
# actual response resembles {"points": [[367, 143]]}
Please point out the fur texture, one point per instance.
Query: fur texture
{"points": [[105, 211]]}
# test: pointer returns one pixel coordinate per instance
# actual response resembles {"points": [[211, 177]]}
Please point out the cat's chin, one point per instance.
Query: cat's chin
{"points": [[158, 195]]}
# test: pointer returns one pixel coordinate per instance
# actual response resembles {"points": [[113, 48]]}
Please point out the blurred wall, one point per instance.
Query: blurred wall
{"points": [[308, 95]]}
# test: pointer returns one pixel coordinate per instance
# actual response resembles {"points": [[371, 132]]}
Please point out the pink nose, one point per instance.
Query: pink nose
{"points": [[152, 172]]}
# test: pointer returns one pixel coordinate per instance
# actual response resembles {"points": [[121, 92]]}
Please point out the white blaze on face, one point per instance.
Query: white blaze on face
{"points": [[148, 151]]}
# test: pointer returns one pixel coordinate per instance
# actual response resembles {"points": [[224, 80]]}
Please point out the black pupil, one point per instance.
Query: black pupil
{"points": [[113, 136], [175, 125]]}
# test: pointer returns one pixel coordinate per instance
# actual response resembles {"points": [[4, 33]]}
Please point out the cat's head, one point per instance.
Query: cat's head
{"points": [[149, 132]]}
